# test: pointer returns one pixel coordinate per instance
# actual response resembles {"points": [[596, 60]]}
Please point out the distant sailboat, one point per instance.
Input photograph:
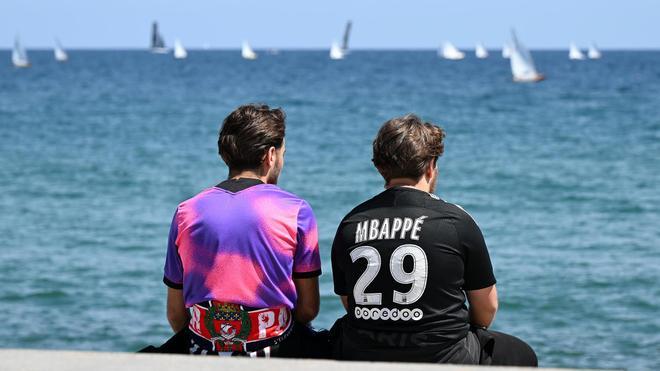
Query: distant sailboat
{"points": [[247, 52], [594, 53], [449, 51], [157, 42], [60, 54], [480, 51], [506, 51], [339, 52], [347, 35], [574, 53], [179, 51], [19, 56], [522, 64], [336, 52]]}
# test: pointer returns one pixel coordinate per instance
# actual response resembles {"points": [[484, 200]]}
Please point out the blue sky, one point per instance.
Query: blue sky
{"points": [[414, 24]]}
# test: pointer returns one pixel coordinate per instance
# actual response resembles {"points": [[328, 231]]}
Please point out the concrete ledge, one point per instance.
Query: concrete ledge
{"points": [[41, 360]]}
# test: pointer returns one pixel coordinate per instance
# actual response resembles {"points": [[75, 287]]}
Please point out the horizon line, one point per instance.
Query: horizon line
{"points": [[266, 49]]}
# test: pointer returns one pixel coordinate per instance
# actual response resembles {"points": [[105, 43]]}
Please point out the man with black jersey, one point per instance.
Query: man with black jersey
{"points": [[405, 261]]}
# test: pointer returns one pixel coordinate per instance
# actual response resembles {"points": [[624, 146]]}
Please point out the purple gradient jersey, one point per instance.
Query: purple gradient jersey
{"points": [[242, 242]]}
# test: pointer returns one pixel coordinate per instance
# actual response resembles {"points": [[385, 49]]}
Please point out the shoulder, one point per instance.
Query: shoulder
{"points": [[285, 195], [455, 214], [465, 225], [457, 211], [446, 209], [286, 198]]}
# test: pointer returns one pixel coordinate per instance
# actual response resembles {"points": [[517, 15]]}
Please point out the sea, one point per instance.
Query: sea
{"points": [[563, 177]]}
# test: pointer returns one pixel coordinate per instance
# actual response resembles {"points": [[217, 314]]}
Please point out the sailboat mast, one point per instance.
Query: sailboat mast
{"points": [[347, 34], [154, 33]]}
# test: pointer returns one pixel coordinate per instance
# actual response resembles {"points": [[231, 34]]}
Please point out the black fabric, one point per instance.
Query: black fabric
{"points": [[478, 347], [237, 185], [500, 349], [179, 343], [440, 234], [304, 342]]}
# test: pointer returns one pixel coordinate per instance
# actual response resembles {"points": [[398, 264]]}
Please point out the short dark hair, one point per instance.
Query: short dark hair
{"points": [[405, 146], [248, 132]]}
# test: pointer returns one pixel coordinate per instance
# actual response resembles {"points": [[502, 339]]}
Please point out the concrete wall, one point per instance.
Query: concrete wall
{"points": [[49, 360]]}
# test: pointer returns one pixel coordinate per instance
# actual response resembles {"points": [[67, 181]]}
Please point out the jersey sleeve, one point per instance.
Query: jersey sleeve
{"points": [[307, 260], [338, 258], [478, 268], [173, 276]]}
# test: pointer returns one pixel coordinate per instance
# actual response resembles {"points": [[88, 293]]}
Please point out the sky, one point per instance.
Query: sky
{"points": [[309, 24]]}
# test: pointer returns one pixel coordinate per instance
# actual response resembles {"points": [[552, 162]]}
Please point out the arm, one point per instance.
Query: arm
{"points": [[483, 306], [177, 315], [337, 257], [479, 278], [307, 305], [344, 301]]}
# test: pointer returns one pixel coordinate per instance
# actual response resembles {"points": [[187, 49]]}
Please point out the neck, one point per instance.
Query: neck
{"points": [[249, 174], [420, 183]]}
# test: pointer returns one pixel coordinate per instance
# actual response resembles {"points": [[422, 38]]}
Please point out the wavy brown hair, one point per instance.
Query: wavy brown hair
{"points": [[247, 134], [405, 146]]}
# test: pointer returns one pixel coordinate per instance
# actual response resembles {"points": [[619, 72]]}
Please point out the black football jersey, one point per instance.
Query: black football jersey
{"points": [[404, 259]]}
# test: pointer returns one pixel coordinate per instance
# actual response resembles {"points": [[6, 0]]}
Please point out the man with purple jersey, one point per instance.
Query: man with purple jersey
{"points": [[243, 261]]}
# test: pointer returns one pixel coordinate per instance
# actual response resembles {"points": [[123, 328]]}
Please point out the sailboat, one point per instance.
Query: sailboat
{"points": [[157, 42], [574, 53], [593, 52], [506, 51], [179, 51], [522, 64], [19, 56], [480, 51], [60, 54], [337, 51], [247, 52], [449, 51]]}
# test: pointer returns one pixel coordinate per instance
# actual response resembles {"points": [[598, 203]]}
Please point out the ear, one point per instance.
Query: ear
{"points": [[271, 156], [430, 170]]}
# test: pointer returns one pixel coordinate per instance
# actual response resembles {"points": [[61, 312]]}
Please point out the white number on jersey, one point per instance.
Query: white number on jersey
{"points": [[417, 277]]}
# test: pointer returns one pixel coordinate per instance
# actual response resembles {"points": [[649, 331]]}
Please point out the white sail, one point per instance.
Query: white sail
{"points": [[449, 51], [506, 51], [480, 51], [247, 52], [18, 55], [340, 52], [574, 53], [522, 64], [336, 52], [179, 51], [594, 53], [60, 54]]}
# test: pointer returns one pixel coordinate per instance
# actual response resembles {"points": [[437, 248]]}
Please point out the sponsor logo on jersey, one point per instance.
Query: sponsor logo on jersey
{"points": [[388, 314]]}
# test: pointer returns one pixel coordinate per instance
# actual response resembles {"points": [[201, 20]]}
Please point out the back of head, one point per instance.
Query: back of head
{"points": [[247, 134], [405, 146]]}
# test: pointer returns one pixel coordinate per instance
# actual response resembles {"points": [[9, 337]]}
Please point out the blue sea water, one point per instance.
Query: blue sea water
{"points": [[563, 177]]}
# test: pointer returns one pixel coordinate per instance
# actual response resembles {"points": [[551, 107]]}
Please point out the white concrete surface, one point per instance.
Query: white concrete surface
{"points": [[50, 360]]}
